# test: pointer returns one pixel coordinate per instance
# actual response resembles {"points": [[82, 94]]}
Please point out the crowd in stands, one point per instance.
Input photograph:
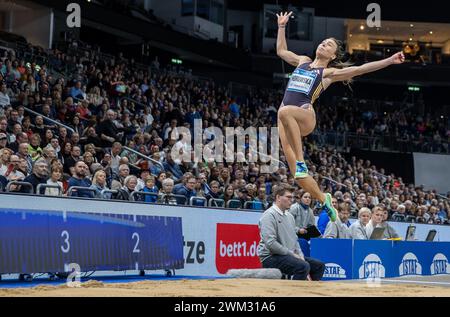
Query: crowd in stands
{"points": [[399, 128], [92, 155]]}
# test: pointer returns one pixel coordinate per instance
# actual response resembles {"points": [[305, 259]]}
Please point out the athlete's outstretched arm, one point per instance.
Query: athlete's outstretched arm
{"points": [[282, 51], [348, 73]]}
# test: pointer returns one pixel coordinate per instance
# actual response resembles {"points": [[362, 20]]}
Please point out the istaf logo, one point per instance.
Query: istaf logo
{"points": [[236, 247], [372, 267], [440, 265], [333, 270], [410, 265]]}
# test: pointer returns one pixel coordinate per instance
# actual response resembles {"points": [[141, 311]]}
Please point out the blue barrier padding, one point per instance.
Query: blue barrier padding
{"points": [[362, 259], [48, 241], [305, 247], [337, 254]]}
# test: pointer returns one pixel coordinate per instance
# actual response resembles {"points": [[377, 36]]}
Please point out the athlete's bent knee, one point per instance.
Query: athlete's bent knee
{"points": [[283, 114]]}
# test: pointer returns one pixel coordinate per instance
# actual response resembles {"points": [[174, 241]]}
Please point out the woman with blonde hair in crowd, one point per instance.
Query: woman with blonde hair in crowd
{"points": [[99, 184], [358, 228]]}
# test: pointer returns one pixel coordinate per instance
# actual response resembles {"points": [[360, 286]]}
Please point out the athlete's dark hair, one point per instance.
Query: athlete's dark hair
{"points": [[339, 62]]}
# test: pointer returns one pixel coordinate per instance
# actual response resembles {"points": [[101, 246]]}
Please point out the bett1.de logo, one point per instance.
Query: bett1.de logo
{"points": [[236, 247]]}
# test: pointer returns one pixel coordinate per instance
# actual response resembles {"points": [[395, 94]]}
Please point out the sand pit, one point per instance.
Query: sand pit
{"points": [[230, 288]]}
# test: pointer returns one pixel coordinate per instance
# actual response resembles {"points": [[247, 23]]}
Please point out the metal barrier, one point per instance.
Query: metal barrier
{"points": [[80, 188], [272, 158], [25, 184], [108, 191], [44, 186], [133, 100], [144, 156], [134, 196], [191, 201], [48, 119], [254, 203], [398, 217], [443, 197], [183, 198], [420, 219], [346, 140], [352, 192], [213, 202], [234, 201]]}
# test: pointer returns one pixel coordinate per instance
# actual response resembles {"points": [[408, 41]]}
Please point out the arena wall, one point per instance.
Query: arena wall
{"points": [[432, 171]]}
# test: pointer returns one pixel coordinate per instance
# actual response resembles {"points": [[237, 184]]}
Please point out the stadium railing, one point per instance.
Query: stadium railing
{"points": [[21, 184], [49, 119], [233, 202], [145, 157], [345, 140], [193, 201], [214, 202], [104, 192], [253, 205], [398, 217], [40, 189], [75, 189], [137, 196], [176, 197]]}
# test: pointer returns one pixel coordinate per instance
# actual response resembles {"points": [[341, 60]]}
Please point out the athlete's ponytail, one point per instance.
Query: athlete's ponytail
{"points": [[339, 62]]}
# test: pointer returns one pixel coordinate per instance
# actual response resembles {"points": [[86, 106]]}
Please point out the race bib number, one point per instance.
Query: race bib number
{"points": [[302, 81]]}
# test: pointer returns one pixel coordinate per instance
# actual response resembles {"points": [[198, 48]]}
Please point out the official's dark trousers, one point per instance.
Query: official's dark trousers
{"points": [[295, 267]]}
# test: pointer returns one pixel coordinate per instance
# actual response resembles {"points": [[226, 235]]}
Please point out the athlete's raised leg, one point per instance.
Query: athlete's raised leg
{"points": [[291, 122]]}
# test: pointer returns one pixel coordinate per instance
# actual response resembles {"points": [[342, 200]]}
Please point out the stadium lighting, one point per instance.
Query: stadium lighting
{"points": [[176, 61], [413, 88]]}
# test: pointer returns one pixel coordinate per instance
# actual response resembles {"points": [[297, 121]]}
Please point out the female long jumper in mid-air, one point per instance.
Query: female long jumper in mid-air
{"points": [[296, 116]]}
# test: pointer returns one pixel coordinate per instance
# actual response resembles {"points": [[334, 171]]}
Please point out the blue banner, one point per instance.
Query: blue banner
{"points": [[413, 258], [42, 241], [438, 263], [370, 259], [337, 256]]}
